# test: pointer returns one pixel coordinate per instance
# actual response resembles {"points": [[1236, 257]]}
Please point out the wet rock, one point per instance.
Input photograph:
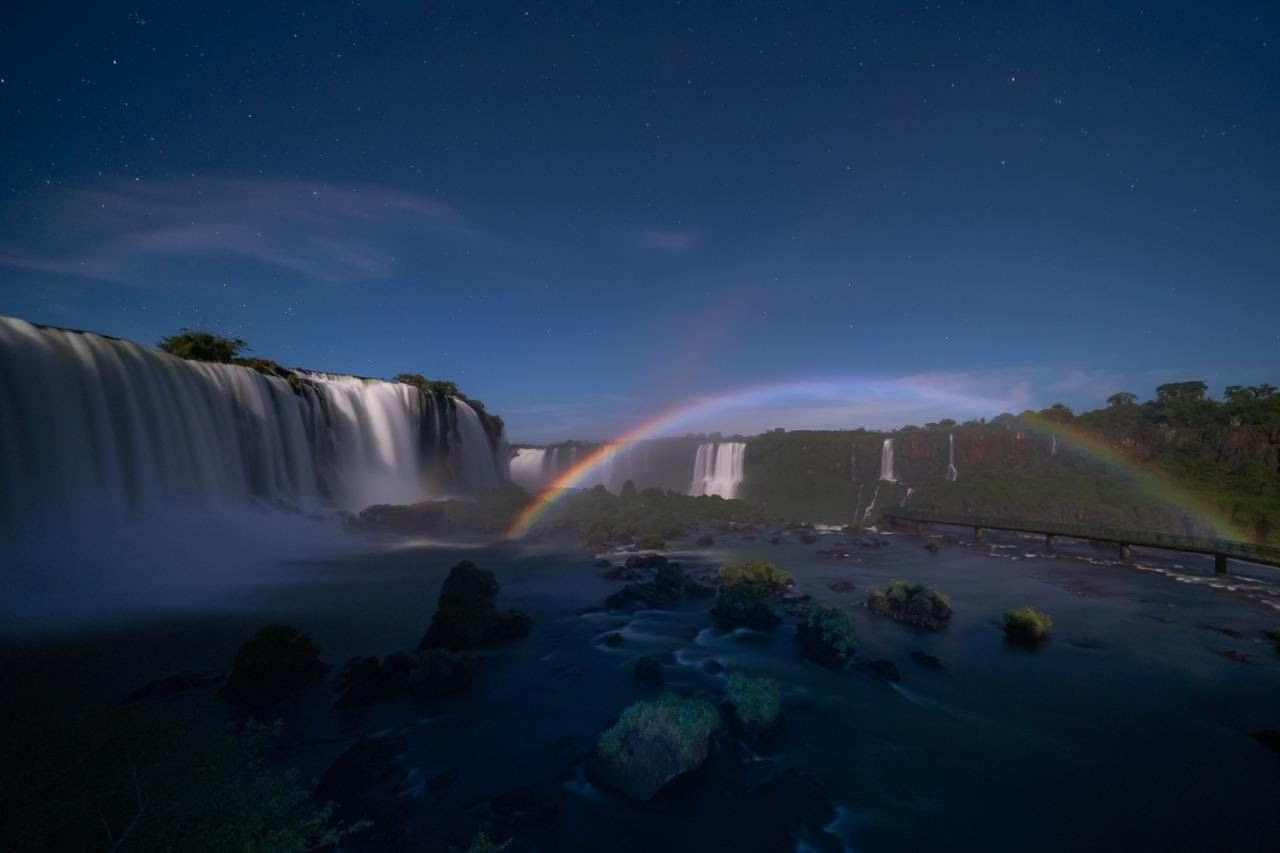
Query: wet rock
{"points": [[427, 675], [646, 561], [925, 659], [775, 540], [837, 553], [798, 610], [179, 683], [636, 595], [648, 670], [622, 573], [526, 809], [841, 586], [916, 605], [698, 589], [603, 563], [886, 669], [442, 780], [1230, 632], [670, 575], [1234, 655], [705, 541], [612, 639], [808, 538], [276, 663], [1268, 737], [712, 667], [466, 617]]}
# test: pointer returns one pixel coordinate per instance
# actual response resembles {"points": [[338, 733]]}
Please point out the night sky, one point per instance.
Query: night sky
{"points": [[587, 212]]}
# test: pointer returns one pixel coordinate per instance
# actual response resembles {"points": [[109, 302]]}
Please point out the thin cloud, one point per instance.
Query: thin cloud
{"points": [[670, 241], [333, 234]]}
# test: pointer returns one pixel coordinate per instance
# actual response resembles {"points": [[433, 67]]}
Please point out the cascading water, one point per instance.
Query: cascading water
{"points": [[103, 427], [717, 468], [530, 468], [871, 506], [951, 459], [1053, 446], [905, 497], [886, 461]]}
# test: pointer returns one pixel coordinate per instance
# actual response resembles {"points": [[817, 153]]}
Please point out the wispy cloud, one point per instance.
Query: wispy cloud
{"points": [[330, 233], [670, 241]]}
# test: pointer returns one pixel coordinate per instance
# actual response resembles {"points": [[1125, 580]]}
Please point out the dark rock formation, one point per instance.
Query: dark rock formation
{"points": [[466, 617], [646, 561], [925, 659], [637, 595], [427, 675], [651, 744], [367, 783], [910, 603], [648, 670], [276, 663], [179, 683], [841, 586]]}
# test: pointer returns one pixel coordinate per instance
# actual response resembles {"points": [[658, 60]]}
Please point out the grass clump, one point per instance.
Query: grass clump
{"points": [[755, 702], [757, 572], [684, 724], [828, 637], [1026, 625]]}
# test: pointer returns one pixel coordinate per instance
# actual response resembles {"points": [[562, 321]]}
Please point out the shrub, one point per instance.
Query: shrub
{"points": [[1026, 625], [202, 346], [910, 602], [757, 571], [684, 724], [746, 603], [651, 542], [932, 546], [482, 844], [756, 702], [828, 637], [89, 781]]}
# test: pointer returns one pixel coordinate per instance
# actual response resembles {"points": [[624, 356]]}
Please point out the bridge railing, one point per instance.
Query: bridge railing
{"points": [[1229, 547]]}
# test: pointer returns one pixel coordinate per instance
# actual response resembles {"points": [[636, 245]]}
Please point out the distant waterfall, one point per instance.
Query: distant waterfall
{"points": [[951, 458], [531, 468], [106, 428], [1053, 446], [886, 461], [717, 468], [871, 506], [910, 491]]}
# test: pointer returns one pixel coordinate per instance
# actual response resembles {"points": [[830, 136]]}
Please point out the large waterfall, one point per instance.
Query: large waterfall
{"points": [[886, 461], [103, 427], [951, 458], [529, 468], [717, 468]]}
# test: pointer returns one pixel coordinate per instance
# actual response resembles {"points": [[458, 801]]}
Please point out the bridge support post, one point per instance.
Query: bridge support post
{"points": [[1219, 564], [1048, 541], [977, 534], [1125, 551]]}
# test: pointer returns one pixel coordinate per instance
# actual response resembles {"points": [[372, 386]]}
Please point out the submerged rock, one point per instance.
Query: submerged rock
{"points": [[653, 743], [841, 586], [274, 664], [925, 659], [466, 616], [179, 683], [886, 669], [1230, 632]]}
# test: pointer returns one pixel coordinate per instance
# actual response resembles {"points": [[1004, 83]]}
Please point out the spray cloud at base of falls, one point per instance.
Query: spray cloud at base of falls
{"points": [[718, 468], [110, 429]]}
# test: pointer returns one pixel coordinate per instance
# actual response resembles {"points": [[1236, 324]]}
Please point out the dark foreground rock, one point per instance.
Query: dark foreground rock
{"points": [[367, 782], [646, 561], [466, 616], [274, 664], [180, 683], [1268, 737], [648, 670], [925, 659], [426, 675]]}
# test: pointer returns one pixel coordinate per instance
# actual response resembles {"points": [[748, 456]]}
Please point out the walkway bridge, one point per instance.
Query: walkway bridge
{"points": [[1125, 540]]}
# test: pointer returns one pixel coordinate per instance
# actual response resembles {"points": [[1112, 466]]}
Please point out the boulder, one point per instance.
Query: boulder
{"points": [[925, 659], [637, 595], [427, 675], [653, 743], [841, 586], [648, 670], [466, 616], [274, 664], [646, 561], [367, 782], [913, 604]]}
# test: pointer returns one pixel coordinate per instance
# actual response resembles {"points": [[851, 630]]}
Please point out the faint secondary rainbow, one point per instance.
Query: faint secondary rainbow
{"points": [[915, 390]]}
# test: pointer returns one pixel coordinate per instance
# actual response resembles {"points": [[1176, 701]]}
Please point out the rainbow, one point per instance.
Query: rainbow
{"points": [[916, 390]]}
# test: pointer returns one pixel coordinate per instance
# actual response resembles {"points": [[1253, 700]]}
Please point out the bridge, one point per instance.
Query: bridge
{"points": [[1125, 540]]}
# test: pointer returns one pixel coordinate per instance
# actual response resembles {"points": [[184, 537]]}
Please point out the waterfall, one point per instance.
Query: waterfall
{"points": [[103, 427], [531, 468], [886, 461], [717, 468], [1053, 446], [951, 458], [871, 506], [907, 495]]}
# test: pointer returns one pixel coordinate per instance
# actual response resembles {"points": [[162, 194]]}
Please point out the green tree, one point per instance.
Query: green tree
{"points": [[1177, 392], [202, 346], [1122, 398]]}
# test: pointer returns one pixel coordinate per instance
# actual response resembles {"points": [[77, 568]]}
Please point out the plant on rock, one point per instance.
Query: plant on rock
{"points": [[749, 604], [757, 571], [754, 705], [827, 637], [466, 616], [652, 743], [1027, 626], [912, 603]]}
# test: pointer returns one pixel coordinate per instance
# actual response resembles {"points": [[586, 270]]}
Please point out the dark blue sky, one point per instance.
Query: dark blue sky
{"points": [[587, 212]]}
